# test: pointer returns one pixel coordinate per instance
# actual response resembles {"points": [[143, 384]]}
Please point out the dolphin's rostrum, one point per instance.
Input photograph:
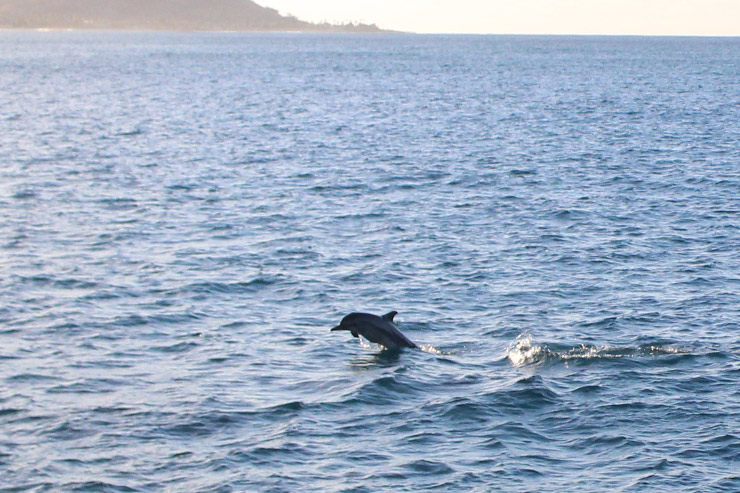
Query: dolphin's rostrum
{"points": [[380, 330]]}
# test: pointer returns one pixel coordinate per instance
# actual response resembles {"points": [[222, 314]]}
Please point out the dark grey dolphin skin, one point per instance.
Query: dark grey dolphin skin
{"points": [[380, 330]]}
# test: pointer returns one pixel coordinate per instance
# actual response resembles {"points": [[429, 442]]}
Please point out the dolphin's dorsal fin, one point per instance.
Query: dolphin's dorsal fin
{"points": [[389, 316]]}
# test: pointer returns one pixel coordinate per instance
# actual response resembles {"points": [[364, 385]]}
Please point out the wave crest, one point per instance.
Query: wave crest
{"points": [[524, 352]]}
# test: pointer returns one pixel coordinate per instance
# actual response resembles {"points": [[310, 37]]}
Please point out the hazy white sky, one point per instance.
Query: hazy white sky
{"points": [[662, 17]]}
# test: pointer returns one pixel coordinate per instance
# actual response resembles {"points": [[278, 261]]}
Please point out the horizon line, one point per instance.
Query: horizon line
{"points": [[381, 32]]}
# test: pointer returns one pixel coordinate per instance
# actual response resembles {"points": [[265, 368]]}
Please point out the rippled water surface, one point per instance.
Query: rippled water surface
{"points": [[184, 217]]}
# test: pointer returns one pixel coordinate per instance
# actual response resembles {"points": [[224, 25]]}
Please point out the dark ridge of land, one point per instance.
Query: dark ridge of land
{"points": [[159, 15]]}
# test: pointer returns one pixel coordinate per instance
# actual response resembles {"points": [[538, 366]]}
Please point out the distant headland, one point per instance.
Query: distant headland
{"points": [[159, 15]]}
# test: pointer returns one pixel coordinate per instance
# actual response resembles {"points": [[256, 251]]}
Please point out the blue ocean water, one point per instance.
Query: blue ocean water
{"points": [[183, 217]]}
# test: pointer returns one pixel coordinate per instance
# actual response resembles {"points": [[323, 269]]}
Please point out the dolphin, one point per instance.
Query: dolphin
{"points": [[380, 330]]}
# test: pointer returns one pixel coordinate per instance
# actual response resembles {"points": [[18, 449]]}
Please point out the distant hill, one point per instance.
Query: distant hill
{"points": [[156, 15]]}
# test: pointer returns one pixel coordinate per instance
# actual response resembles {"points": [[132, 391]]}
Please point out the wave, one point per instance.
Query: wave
{"points": [[427, 348], [524, 352], [239, 287]]}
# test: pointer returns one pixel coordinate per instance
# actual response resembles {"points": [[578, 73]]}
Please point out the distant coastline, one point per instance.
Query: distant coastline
{"points": [[161, 15]]}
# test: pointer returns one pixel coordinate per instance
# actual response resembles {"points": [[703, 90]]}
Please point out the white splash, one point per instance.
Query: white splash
{"points": [[428, 348], [522, 352], [367, 344]]}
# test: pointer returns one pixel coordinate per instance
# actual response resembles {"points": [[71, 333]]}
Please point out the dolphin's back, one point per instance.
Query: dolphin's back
{"points": [[381, 331], [398, 337]]}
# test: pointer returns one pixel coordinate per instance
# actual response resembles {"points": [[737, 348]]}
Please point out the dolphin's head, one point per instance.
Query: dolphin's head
{"points": [[350, 323]]}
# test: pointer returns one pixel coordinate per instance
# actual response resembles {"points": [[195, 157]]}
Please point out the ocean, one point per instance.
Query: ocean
{"points": [[184, 217]]}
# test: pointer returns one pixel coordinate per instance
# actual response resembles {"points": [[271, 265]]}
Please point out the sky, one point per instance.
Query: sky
{"points": [[649, 17]]}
